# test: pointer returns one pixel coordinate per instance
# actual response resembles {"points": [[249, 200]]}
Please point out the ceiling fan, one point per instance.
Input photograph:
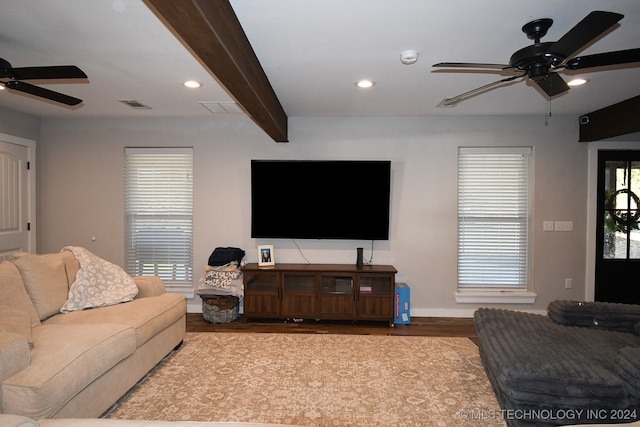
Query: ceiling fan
{"points": [[540, 61], [12, 78]]}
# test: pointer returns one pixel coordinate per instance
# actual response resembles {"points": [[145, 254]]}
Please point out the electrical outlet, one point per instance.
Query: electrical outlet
{"points": [[547, 226], [568, 283]]}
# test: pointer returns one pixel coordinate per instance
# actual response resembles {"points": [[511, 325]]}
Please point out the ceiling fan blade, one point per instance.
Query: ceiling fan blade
{"points": [[42, 92], [471, 65], [589, 28], [46, 73], [552, 85], [603, 59], [453, 101]]}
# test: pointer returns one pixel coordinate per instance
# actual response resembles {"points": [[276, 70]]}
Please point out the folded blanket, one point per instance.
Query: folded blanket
{"points": [[221, 277], [235, 288]]}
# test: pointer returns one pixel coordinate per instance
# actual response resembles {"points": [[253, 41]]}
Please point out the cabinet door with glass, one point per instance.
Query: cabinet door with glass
{"points": [[262, 295], [298, 295], [375, 297], [337, 296]]}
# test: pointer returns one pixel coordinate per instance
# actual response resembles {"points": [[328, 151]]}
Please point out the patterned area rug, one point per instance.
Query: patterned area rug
{"points": [[317, 380]]}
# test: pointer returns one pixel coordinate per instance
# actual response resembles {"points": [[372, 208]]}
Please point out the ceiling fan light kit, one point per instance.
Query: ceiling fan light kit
{"points": [[541, 61], [577, 82]]}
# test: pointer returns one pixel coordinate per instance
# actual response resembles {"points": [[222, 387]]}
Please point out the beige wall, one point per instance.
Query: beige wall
{"points": [[81, 190], [19, 124]]}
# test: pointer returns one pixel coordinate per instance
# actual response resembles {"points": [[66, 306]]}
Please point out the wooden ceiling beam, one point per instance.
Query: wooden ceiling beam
{"points": [[615, 120], [212, 32]]}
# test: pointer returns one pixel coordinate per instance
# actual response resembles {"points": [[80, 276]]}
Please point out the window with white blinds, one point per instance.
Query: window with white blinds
{"points": [[158, 192], [493, 219]]}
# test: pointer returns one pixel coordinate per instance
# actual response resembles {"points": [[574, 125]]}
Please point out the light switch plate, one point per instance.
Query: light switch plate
{"points": [[564, 226], [548, 226]]}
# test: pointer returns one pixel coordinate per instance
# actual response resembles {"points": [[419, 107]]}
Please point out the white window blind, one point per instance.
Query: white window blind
{"points": [[493, 219], [158, 188]]}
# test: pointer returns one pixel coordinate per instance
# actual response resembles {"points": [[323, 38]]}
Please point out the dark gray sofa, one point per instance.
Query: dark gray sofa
{"points": [[578, 365]]}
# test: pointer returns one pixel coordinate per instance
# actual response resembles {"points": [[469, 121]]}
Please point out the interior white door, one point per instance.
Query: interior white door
{"points": [[15, 198]]}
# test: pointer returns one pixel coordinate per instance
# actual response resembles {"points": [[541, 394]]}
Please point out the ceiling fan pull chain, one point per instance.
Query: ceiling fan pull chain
{"points": [[548, 113]]}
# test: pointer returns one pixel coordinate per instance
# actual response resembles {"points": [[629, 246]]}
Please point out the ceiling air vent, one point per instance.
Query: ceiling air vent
{"points": [[134, 104], [222, 107]]}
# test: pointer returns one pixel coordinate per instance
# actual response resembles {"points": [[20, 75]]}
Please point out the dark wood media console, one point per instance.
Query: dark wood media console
{"points": [[319, 291]]}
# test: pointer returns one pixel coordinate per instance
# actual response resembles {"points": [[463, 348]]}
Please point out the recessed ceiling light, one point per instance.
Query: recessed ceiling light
{"points": [[577, 82], [364, 84], [192, 84]]}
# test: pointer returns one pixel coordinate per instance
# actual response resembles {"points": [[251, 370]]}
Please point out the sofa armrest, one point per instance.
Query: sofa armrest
{"points": [[14, 354], [598, 315], [149, 286], [10, 420]]}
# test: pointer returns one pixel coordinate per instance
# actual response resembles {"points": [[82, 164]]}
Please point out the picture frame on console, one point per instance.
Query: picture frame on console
{"points": [[266, 256]]}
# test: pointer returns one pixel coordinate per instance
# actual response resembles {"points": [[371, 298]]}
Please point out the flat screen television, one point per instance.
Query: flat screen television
{"points": [[320, 199]]}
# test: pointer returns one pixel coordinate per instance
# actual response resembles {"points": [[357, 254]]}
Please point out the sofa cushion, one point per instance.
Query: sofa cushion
{"points": [[597, 315], [14, 354], [13, 319], [45, 279], [147, 316], [149, 286], [64, 360], [97, 283], [71, 265], [13, 292]]}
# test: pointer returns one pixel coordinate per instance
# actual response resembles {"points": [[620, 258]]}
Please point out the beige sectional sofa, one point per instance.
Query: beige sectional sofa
{"points": [[78, 363]]}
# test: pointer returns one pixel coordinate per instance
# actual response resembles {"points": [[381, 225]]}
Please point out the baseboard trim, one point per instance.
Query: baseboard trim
{"points": [[194, 308], [449, 312]]}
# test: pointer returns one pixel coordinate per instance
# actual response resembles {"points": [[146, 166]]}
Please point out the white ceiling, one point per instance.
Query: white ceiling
{"points": [[312, 52]]}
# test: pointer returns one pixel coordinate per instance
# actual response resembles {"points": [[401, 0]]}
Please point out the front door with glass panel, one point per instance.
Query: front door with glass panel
{"points": [[618, 234]]}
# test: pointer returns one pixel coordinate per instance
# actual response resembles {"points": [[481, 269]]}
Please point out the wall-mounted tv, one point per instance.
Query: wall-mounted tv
{"points": [[320, 199]]}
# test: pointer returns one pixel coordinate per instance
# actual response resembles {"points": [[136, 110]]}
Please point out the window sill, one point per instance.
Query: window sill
{"points": [[502, 297], [182, 290]]}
